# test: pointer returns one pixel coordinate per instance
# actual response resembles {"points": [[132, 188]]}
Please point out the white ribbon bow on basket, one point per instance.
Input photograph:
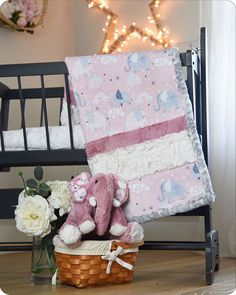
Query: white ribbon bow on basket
{"points": [[113, 257]]}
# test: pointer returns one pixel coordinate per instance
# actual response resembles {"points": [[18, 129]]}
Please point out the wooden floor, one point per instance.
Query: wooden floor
{"points": [[157, 272]]}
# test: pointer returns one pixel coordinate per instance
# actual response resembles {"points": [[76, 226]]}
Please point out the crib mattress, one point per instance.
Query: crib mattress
{"points": [[36, 138]]}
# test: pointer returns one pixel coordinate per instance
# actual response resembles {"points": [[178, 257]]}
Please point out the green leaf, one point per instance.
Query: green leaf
{"points": [[31, 183], [15, 16], [44, 190], [32, 192], [38, 173], [44, 187]]}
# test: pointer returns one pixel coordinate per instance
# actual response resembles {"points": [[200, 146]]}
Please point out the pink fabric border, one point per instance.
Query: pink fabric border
{"points": [[110, 143]]}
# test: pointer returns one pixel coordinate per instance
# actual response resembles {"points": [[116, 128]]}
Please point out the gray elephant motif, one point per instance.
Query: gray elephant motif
{"points": [[135, 119], [138, 61], [122, 98], [81, 67], [85, 62], [95, 120], [79, 101], [195, 171], [167, 100], [171, 189]]}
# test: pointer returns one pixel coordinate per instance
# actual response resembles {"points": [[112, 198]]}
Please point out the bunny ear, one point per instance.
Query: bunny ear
{"points": [[81, 179], [85, 177], [121, 189]]}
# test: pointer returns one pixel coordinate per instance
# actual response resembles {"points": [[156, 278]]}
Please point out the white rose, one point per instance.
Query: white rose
{"points": [[60, 197], [33, 216], [7, 9], [22, 196]]}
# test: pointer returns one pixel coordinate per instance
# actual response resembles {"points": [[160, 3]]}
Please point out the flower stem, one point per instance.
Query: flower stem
{"points": [[23, 180], [52, 268]]}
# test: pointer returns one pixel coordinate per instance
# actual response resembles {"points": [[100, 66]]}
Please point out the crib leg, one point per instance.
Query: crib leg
{"points": [[212, 256], [212, 248]]}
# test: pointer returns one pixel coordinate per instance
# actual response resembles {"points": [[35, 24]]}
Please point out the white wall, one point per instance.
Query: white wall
{"points": [[181, 17], [221, 96]]}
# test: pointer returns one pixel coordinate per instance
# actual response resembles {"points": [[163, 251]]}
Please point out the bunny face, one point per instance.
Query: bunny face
{"points": [[79, 193], [78, 187]]}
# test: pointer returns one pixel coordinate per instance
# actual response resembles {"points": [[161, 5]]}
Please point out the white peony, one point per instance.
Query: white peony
{"points": [[60, 197], [33, 215], [22, 196]]}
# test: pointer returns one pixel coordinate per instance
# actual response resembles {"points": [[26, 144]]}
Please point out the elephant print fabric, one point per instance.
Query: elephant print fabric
{"points": [[138, 124]]}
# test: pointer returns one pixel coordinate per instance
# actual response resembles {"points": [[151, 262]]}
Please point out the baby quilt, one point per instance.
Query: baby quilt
{"points": [[138, 124]]}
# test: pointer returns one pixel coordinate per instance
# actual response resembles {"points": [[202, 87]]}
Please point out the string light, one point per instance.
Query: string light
{"points": [[116, 41]]}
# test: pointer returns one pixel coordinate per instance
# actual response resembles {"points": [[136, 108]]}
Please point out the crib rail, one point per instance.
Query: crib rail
{"points": [[72, 156], [33, 69], [45, 157]]}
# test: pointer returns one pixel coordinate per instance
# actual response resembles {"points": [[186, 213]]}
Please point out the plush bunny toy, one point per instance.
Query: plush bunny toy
{"points": [[98, 205], [79, 220]]}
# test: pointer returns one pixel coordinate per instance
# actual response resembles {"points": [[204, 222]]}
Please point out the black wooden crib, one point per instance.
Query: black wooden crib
{"points": [[194, 61]]}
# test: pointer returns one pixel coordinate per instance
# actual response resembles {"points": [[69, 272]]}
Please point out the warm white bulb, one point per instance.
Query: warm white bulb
{"points": [[91, 4]]}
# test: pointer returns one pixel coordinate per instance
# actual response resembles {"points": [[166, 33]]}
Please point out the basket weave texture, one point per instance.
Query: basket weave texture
{"points": [[90, 270]]}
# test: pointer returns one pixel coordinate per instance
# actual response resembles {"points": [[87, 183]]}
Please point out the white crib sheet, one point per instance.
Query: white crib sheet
{"points": [[36, 138]]}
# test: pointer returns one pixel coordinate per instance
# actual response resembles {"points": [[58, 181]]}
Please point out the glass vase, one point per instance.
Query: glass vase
{"points": [[43, 264]]}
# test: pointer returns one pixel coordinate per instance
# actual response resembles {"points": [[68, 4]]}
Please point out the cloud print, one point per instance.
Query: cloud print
{"points": [[139, 188]]}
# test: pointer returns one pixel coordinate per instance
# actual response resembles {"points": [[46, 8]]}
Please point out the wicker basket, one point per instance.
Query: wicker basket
{"points": [[93, 270]]}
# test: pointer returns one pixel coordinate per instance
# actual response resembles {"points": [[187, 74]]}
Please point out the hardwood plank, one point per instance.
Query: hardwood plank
{"points": [[157, 272]]}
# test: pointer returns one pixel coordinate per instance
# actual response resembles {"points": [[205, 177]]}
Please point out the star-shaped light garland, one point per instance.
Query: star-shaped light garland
{"points": [[113, 40]]}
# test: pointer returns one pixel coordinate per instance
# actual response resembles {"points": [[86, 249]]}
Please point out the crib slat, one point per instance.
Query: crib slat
{"points": [[69, 111], [1, 130], [44, 106], [41, 114], [22, 107], [60, 110], [1, 133]]}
